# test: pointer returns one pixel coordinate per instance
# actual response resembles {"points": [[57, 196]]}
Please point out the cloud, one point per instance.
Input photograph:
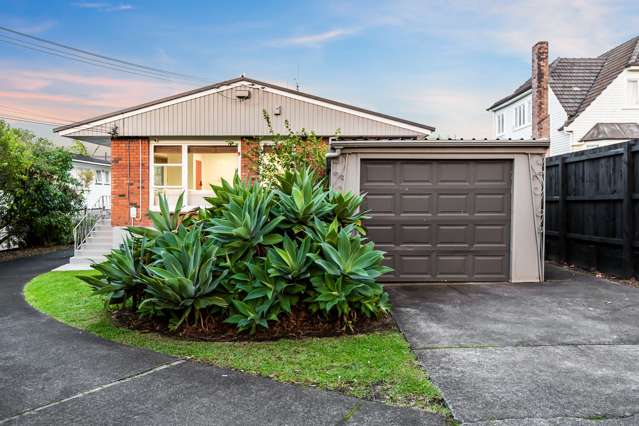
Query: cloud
{"points": [[35, 28], [60, 93], [314, 40], [104, 7]]}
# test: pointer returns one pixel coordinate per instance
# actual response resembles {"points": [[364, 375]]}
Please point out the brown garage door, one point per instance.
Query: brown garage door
{"points": [[440, 220]]}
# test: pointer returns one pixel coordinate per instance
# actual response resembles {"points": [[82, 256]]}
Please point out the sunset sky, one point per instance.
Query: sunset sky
{"points": [[440, 63]]}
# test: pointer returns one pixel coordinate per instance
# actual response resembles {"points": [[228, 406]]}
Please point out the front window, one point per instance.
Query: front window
{"points": [[633, 93], [192, 169], [98, 177]]}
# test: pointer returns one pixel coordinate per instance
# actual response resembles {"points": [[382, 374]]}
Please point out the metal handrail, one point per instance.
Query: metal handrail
{"points": [[91, 217]]}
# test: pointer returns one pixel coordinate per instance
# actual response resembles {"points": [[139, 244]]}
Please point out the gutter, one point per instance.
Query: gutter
{"points": [[337, 146]]}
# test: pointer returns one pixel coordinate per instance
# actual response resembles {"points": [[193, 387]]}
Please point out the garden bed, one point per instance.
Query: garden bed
{"points": [[17, 253], [377, 366], [298, 324]]}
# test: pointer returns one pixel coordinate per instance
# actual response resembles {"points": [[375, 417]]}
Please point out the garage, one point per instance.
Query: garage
{"points": [[440, 220], [449, 211]]}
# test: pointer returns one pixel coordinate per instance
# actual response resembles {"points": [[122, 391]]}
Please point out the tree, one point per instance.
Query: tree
{"points": [[38, 195], [79, 148]]}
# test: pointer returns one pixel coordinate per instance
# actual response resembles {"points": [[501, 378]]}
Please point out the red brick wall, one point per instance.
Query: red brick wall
{"points": [[246, 163], [127, 192]]}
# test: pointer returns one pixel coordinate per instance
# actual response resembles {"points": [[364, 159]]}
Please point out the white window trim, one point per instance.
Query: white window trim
{"points": [[526, 116], [185, 163], [627, 103], [500, 122]]}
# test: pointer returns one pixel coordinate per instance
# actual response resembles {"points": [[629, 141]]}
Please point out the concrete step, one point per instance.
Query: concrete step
{"points": [[100, 240], [86, 260], [93, 251]]}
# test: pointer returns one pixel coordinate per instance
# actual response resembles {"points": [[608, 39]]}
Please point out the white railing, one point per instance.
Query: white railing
{"points": [[90, 218]]}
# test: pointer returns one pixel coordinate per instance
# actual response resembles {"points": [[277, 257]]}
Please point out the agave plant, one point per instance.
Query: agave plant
{"points": [[226, 192], [266, 296], [245, 224], [351, 257], [184, 279], [163, 221], [291, 261], [332, 292], [306, 201], [346, 209], [121, 275]]}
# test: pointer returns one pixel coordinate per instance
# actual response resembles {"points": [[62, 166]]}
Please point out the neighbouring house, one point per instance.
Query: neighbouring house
{"points": [[185, 143], [94, 175], [577, 103]]}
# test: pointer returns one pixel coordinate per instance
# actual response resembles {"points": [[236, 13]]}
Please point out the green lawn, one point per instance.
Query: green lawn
{"points": [[374, 366]]}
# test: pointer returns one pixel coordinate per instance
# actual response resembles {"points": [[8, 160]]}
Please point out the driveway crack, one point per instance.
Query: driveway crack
{"points": [[94, 390]]}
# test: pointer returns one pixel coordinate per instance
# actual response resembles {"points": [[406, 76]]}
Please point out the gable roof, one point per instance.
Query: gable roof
{"points": [[577, 82], [421, 128]]}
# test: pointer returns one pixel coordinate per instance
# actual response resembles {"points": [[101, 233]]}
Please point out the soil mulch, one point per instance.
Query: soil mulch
{"points": [[299, 324], [11, 254]]}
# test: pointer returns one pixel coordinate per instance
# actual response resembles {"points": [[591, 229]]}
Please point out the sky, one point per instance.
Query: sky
{"points": [[440, 63]]}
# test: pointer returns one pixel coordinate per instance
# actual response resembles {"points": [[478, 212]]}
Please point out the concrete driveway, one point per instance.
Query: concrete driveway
{"points": [[52, 374], [562, 352]]}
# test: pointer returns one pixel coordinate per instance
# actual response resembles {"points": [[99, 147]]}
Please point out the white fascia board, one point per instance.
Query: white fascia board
{"points": [[91, 162], [512, 101], [245, 83]]}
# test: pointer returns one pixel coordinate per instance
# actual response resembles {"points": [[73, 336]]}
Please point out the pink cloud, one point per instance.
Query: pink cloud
{"points": [[58, 93]]}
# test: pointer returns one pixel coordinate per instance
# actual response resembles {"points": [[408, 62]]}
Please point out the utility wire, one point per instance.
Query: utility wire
{"points": [[97, 55], [27, 44], [13, 110], [86, 61], [27, 120]]}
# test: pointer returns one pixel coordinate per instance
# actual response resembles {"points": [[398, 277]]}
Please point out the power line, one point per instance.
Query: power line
{"points": [[14, 110], [97, 55], [27, 120], [44, 49], [86, 61]]}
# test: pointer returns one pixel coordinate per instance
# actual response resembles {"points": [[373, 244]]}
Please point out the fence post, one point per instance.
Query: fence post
{"points": [[563, 210], [628, 175]]}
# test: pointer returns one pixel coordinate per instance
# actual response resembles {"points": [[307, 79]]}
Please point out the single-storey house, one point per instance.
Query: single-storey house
{"points": [[186, 142]]}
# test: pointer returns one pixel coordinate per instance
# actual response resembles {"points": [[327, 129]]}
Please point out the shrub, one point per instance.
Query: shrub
{"points": [[38, 197], [257, 254]]}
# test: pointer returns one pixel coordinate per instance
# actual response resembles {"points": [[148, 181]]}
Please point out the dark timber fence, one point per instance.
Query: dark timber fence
{"points": [[592, 209]]}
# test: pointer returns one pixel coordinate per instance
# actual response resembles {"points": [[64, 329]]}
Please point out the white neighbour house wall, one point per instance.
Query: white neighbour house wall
{"points": [[510, 128], [610, 106], [95, 190], [560, 140]]}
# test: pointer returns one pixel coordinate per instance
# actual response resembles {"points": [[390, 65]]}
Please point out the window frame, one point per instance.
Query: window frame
{"points": [[500, 124], [184, 164], [630, 80]]}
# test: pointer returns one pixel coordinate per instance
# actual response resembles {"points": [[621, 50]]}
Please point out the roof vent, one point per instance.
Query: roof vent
{"points": [[243, 94]]}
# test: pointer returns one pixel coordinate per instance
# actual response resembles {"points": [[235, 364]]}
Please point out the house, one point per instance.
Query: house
{"points": [[577, 103], [94, 175], [186, 142]]}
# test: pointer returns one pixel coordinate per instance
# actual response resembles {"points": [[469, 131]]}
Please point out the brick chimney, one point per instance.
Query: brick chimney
{"points": [[540, 79]]}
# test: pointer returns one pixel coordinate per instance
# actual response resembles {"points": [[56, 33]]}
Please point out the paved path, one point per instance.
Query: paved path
{"points": [[54, 374], [562, 352]]}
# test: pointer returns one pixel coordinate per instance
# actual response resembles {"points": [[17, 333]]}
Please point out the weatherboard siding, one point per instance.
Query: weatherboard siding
{"points": [[559, 140], [609, 107], [222, 114]]}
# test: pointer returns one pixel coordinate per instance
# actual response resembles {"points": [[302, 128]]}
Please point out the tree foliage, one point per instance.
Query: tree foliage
{"points": [[287, 153], [38, 195]]}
